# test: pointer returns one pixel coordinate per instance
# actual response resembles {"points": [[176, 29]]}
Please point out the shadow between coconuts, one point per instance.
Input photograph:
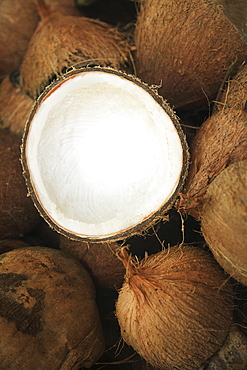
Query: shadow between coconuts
{"points": [[147, 221]]}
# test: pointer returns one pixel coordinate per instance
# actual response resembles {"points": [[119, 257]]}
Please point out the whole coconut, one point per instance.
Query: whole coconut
{"points": [[175, 307], [236, 11], [18, 21], [99, 259], [185, 47], [62, 41], [48, 315], [224, 219], [15, 105], [219, 142], [17, 212]]}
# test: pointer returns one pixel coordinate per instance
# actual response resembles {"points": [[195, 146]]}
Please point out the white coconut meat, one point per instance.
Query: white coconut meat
{"points": [[102, 154]]}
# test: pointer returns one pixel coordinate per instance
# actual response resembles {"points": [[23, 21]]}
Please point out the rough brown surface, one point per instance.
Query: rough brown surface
{"points": [[48, 315], [61, 41], [220, 141], [18, 21], [17, 212], [236, 11], [15, 106], [185, 47], [99, 259], [224, 219], [175, 307]]}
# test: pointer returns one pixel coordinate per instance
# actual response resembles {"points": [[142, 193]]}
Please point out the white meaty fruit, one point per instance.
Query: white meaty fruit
{"points": [[103, 155]]}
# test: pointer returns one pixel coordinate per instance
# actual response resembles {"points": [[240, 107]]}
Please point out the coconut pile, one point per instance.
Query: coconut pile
{"points": [[123, 184]]}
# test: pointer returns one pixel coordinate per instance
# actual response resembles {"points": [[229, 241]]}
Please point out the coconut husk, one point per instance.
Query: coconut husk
{"points": [[236, 11], [99, 259], [7, 245], [17, 212], [15, 106], [224, 219], [66, 7], [18, 21], [186, 48], [175, 307], [61, 41], [219, 142], [49, 318]]}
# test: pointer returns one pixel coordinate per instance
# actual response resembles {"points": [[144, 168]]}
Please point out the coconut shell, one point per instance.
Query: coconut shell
{"points": [[15, 106], [220, 141], [48, 315], [123, 232], [61, 41], [186, 48], [99, 259], [175, 307], [224, 219], [17, 212], [18, 21]]}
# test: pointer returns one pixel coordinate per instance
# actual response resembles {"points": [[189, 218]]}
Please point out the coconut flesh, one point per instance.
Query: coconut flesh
{"points": [[103, 155]]}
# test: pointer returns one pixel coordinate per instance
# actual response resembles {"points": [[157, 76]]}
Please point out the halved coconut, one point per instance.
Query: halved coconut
{"points": [[103, 155]]}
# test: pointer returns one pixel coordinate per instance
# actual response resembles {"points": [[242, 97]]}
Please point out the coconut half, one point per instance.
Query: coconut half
{"points": [[103, 155]]}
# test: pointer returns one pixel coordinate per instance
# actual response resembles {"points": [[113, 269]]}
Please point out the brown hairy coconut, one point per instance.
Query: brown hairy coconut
{"points": [[220, 141], [99, 259], [61, 41], [186, 47], [175, 307], [224, 219], [104, 156], [236, 11], [48, 316], [17, 212], [15, 106], [18, 21]]}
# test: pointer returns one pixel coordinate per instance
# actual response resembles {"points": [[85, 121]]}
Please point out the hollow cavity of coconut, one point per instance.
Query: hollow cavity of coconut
{"points": [[175, 307], [103, 155]]}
